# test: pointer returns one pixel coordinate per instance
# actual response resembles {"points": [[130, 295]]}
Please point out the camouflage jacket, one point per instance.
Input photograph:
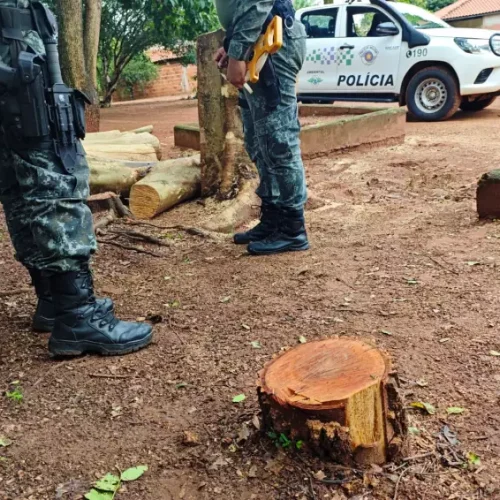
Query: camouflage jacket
{"points": [[245, 18]]}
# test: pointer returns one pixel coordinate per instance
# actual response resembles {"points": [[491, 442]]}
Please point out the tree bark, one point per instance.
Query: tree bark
{"points": [[93, 9], [73, 51], [225, 163], [339, 398]]}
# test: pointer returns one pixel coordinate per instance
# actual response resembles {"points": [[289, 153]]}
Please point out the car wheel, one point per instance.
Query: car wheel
{"points": [[477, 105], [432, 95]]}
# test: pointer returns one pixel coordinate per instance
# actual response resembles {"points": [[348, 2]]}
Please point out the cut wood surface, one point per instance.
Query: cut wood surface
{"points": [[114, 175], [339, 397], [168, 184], [117, 145]]}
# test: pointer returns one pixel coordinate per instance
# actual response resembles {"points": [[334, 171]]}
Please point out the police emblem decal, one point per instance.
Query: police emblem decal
{"points": [[369, 54]]}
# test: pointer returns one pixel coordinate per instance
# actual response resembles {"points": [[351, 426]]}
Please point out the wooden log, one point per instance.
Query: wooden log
{"points": [[168, 184], [127, 146], [337, 396], [133, 152], [142, 130], [113, 175]]}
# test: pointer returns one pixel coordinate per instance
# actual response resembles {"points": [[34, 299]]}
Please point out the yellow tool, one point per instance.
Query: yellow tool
{"points": [[269, 43]]}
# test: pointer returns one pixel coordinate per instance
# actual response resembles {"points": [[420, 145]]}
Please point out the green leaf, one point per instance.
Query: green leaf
{"points": [[4, 442], [302, 339], [424, 406], [134, 473], [412, 281], [256, 344], [386, 332], [299, 445], [181, 385], [109, 482], [473, 459], [99, 495], [414, 430], [454, 410], [494, 353], [239, 398], [284, 441]]}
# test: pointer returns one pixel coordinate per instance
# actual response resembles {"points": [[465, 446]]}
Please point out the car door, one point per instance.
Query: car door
{"points": [[368, 60], [319, 73]]}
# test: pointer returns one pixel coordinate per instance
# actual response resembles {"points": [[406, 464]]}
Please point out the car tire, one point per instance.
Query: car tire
{"points": [[432, 95], [477, 105]]}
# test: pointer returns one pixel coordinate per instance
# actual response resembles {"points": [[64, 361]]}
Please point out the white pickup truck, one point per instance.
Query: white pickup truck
{"points": [[373, 50]]}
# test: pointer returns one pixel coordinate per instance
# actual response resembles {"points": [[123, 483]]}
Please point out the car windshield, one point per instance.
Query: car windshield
{"points": [[420, 18]]}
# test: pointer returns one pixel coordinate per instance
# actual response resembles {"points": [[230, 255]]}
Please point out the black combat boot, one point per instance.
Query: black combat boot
{"points": [[291, 235], [81, 326], [267, 225], [43, 320]]}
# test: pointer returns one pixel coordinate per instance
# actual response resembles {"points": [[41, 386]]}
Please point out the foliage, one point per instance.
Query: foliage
{"points": [[302, 4], [435, 5], [16, 394], [139, 72], [108, 486], [130, 27]]}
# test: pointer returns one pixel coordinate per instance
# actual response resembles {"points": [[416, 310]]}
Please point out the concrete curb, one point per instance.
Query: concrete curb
{"points": [[368, 126]]}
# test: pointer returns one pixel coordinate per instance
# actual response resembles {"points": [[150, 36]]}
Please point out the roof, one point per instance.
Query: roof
{"points": [[469, 8], [159, 54]]}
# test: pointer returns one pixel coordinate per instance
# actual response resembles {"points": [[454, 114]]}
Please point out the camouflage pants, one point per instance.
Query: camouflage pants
{"points": [[272, 137], [49, 223]]}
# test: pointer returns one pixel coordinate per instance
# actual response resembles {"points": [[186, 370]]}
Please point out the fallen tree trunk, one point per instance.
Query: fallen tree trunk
{"points": [[133, 152], [168, 184], [114, 175], [339, 398], [127, 146]]}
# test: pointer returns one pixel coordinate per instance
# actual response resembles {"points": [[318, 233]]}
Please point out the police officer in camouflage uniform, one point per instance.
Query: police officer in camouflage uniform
{"points": [[44, 185], [270, 120]]}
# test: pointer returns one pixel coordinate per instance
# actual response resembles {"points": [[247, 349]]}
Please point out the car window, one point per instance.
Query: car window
{"points": [[364, 21], [320, 24]]}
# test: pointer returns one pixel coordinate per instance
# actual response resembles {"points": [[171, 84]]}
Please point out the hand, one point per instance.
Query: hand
{"points": [[221, 58], [237, 72]]}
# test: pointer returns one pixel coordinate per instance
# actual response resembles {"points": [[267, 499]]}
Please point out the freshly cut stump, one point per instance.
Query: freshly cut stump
{"points": [[337, 396]]}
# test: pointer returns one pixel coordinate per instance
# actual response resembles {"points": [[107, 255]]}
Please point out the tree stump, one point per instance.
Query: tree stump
{"points": [[225, 165], [488, 195], [339, 397]]}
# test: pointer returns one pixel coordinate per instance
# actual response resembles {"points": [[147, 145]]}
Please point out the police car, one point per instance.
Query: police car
{"points": [[373, 50]]}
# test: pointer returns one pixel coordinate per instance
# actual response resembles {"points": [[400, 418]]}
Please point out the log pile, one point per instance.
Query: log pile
{"points": [[119, 161], [339, 397]]}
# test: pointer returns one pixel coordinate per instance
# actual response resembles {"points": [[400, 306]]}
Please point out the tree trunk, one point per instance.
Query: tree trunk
{"points": [[339, 398], [225, 163], [75, 54]]}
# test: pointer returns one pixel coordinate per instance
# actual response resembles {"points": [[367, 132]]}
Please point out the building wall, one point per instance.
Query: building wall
{"points": [[487, 22], [492, 22], [468, 23], [173, 80]]}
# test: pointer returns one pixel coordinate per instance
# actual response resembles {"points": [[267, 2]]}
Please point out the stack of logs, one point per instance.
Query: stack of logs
{"points": [[128, 165]]}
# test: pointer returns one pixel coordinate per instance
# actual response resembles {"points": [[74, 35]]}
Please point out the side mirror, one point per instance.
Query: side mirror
{"points": [[387, 29]]}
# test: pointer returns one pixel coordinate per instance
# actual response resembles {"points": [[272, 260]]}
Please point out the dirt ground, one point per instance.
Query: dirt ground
{"points": [[398, 257]]}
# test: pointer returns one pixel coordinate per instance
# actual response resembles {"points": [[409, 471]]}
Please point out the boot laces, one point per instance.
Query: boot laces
{"points": [[109, 318]]}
